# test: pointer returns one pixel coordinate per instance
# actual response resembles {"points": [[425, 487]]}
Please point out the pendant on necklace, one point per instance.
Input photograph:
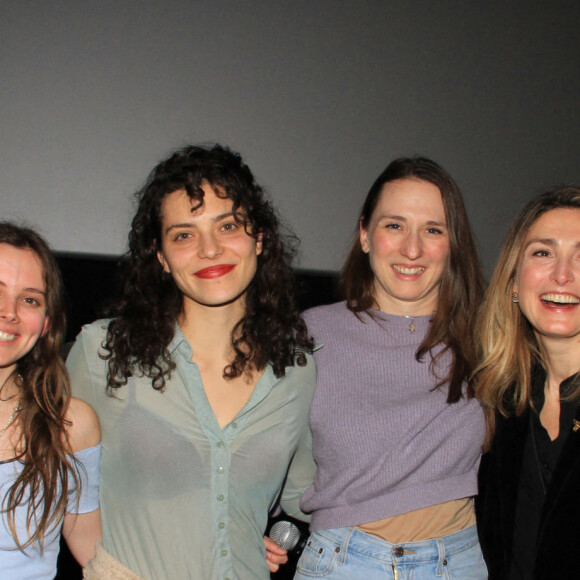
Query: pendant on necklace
{"points": [[411, 324]]}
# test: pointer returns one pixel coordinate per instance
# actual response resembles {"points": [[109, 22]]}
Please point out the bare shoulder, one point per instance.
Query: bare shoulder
{"points": [[84, 430]]}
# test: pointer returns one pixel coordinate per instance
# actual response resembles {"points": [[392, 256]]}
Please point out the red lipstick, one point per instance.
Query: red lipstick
{"points": [[215, 271]]}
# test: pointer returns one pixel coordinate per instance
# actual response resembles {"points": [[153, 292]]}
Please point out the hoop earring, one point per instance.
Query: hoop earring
{"points": [[515, 298]]}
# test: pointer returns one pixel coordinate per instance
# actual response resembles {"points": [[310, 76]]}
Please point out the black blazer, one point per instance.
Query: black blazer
{"points": [[558, 544]]}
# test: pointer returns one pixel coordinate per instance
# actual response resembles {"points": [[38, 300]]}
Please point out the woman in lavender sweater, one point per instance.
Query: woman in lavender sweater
{"points": [[397, 432]]}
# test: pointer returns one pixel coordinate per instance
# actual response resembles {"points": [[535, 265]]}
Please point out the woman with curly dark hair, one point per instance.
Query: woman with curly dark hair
{"points": [[49, 441], [203, 380]]}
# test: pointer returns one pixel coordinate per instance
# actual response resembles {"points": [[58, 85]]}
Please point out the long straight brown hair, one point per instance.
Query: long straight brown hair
{"points": [[48, 472], [462, 284]]}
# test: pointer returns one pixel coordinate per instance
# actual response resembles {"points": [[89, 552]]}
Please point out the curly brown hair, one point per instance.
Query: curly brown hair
{"points": [[49, 472], [272, 329], [462, 286]]}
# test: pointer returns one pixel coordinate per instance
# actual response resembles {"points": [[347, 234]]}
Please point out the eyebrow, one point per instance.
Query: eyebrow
{"points": [[216, 219], [33, 290], [404, 219], [546, 241]]}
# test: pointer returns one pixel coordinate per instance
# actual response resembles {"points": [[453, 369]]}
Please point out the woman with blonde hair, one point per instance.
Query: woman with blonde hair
{"points": [[528, 383], [49, 441]]}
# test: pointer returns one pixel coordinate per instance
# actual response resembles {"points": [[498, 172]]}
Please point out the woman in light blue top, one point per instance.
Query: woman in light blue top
{"points": [[49, 441]]}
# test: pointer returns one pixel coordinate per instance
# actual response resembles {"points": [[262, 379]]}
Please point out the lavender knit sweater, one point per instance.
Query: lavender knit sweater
{"points": [[384, 441]]}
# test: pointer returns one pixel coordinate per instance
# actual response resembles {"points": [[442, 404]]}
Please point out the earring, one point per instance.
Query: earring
{"points": [[515, 299]]}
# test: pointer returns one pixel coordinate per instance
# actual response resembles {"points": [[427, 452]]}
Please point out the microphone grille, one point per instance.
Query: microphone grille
{"points": [[285, 534]]}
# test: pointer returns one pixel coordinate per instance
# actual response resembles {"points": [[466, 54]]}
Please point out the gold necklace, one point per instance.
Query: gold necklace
{"points": [[412, 327]]}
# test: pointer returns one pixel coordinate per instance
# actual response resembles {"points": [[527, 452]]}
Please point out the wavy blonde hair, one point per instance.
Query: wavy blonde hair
{"points": [[508, 347]]}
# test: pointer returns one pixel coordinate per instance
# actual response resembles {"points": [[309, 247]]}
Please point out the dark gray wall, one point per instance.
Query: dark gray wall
{"points": [[317, 95]]}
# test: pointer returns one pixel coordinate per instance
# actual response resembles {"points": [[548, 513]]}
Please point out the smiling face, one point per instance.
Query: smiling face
{"points": [[408, 246], [548, 276], [210, 256], [22, 305]]}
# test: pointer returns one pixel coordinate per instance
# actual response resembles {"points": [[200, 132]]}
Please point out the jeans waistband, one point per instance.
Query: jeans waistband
{"points": [[351, 539]]}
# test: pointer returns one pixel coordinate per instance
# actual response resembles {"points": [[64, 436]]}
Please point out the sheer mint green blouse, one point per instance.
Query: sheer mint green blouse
{"points": [[180, 497]]}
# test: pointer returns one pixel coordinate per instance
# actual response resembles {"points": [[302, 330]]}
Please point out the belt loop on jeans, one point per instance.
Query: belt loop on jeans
{"points": [[343, 549], [441, 552]]}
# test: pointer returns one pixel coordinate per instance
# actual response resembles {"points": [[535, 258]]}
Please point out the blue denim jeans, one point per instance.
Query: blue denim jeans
{"points": [[349, 554]]}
